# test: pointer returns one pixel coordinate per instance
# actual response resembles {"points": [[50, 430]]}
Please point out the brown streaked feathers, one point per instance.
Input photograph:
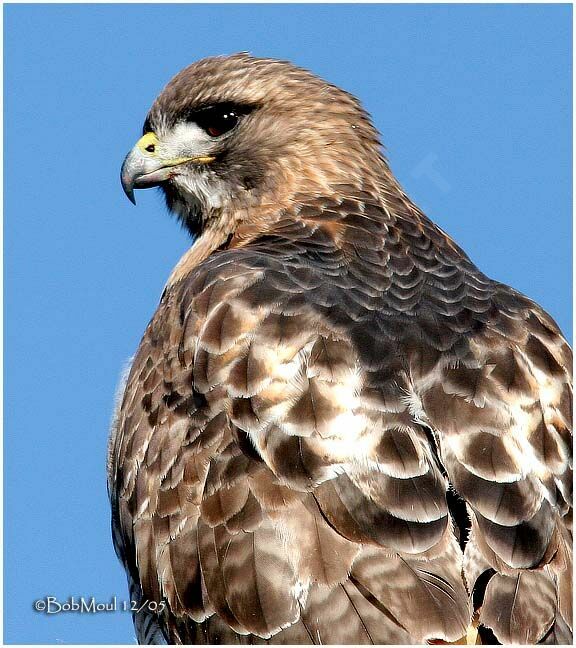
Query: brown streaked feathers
{"points": [[324, 366]]}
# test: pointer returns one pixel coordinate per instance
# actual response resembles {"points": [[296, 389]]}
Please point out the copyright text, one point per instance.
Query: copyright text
{"points": [[90, 605]]}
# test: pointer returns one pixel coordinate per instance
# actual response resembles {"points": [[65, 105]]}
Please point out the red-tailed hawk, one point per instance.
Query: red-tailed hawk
{"points": [[336, 429]]}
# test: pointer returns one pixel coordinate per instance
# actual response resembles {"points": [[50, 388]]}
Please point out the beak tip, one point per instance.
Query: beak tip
{"points": [[128, 173], [128, 187]]}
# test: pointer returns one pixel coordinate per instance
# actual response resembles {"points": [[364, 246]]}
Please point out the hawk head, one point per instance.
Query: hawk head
{"points": [[232, 135]]}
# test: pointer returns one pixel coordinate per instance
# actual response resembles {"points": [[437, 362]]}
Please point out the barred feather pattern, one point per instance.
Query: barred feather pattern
{"points": [[294, 416]]}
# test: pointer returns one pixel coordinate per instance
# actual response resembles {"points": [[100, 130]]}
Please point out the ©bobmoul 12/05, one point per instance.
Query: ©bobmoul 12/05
{"points": [[336, 429]]}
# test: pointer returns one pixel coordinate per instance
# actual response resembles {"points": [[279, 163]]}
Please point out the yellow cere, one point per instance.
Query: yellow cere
{"points": [[149, 139], [147, 144]]}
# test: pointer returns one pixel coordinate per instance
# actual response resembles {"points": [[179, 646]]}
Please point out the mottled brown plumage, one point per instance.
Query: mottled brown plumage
{"points": [[325, 364]]}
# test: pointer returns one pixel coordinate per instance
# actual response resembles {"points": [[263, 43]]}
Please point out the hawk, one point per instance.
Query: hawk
{"points": [[336, 429]]}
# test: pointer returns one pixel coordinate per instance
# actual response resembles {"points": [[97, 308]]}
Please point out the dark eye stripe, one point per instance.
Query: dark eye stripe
{"points": [[217, 119], [206, 116], [147, 128]]}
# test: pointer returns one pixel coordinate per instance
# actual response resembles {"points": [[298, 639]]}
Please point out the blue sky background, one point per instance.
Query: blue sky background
{"points": [[474, 105]]}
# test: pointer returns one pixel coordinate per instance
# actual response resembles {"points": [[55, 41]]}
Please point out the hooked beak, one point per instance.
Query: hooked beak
{"points": [[143, 168]]}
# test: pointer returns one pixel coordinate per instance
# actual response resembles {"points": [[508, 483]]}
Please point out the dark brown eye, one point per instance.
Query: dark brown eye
{"points": [[217, 120], [150, 148]]}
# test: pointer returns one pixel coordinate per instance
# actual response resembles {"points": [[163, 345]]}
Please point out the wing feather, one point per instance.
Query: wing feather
{"points": [[520, 609], [292, 423]]}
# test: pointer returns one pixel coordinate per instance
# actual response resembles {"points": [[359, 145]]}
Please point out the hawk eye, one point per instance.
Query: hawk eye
{"points": [[217, 120]]}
